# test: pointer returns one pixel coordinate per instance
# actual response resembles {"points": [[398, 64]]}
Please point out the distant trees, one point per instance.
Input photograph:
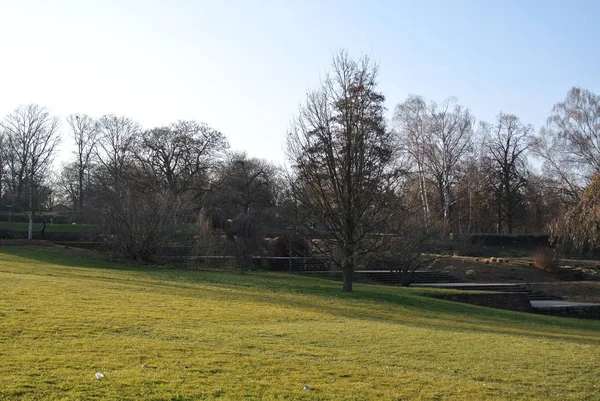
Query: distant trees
{"points": [[148, 180], [344, 164], [138, 184], [355, 185], [31, 136]]}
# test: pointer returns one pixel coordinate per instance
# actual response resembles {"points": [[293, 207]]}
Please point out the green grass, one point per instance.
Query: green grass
{"points": [[62, 228], [263, 336]]}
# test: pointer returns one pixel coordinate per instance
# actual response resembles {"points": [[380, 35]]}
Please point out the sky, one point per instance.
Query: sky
{"points": [[244, 67]]}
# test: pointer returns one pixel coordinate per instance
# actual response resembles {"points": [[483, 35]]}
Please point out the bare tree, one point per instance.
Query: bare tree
{"points": [[245, 182], [507, 143], [411, 120], [84, 131], [343, 158], [180, 156], [570, 143], [437, 138], [2, 164], [31, 139], [578, 230], [116, 136], [137, 223], [67, 182], [449, 141]]}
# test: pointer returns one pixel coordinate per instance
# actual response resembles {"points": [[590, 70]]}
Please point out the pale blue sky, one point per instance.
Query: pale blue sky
{"points": [[244, 66]]}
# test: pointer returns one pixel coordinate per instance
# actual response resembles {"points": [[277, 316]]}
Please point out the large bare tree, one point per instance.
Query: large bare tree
{"points": [[2, 164], [437, 138], [412, 121], [342, 156], [116, 138], [570, 142], [244, 183], [506, 145], [84, 131], [31, 138], [179, 157], [450, 139]]}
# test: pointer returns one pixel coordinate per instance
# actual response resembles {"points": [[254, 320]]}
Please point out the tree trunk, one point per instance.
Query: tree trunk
{"points": [[405, 279], [499, 218], [424, 198], [447, 199], [348, 274], [470, 224], [30, 229], [81, 173], [509, 208]]}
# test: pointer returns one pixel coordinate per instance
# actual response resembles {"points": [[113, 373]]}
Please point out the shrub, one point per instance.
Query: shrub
{"points": [[545, 259], [404, 254], [578, 230], [280, 246], [9, 234], [136, 224]]}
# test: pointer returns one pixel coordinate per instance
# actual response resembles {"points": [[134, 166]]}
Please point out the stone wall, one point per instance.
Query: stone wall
{"points": [[510, 301], [587, 312]]}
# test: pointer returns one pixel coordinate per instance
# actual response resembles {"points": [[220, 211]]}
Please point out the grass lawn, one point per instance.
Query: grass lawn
{"points": [[160, 334], [63, 228]]}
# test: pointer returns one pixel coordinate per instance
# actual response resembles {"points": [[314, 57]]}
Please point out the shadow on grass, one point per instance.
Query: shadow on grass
{"points": [[424, 311]]}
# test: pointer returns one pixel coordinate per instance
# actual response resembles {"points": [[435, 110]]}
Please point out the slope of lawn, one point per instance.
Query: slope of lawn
{"points": [[54, 228], [160, 334]]}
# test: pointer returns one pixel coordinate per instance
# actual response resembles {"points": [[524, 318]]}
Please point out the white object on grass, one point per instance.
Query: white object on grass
{"points": [[307, 388], [99, 376]]}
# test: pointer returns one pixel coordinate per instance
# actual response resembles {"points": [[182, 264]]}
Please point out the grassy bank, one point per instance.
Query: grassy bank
{"points": [[54, 228], [159, 334]]}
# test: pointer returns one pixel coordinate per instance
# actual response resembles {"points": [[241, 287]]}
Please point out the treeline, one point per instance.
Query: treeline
{"points": [[383, 189], [140, 186], [456, 175]]}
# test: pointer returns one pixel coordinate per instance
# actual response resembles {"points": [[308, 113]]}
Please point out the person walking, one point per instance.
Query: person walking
{"points": [[43, 227]]}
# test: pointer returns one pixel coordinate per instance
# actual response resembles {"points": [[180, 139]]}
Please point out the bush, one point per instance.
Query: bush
{"points": [[9, 234], [280, 246], [545, 259], [136, 224], [404, 254], [578, 231]]}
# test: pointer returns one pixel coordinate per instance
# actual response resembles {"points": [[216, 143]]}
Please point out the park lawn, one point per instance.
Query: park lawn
{"points": [[54, 228], [166, 334]]}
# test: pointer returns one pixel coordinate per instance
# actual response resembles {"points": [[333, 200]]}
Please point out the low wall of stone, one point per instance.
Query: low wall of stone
{"points": [[586, 312], [510, 301]]}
